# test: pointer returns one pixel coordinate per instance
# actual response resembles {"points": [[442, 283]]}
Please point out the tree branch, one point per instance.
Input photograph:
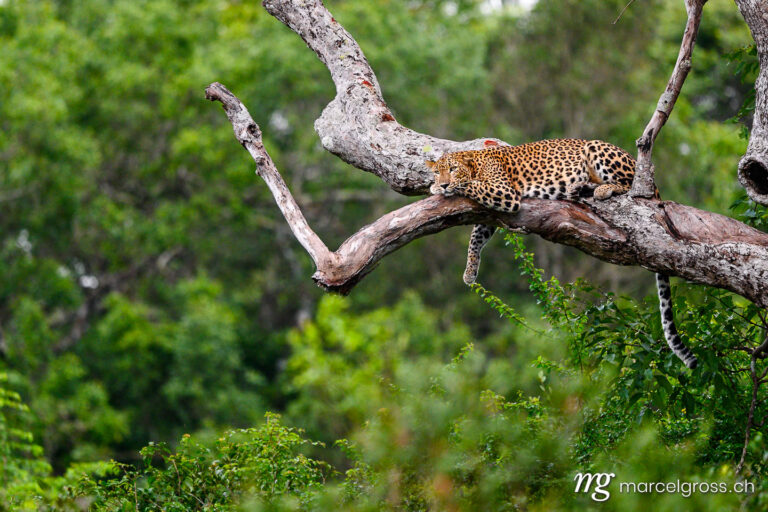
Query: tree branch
{"points": [[357, 126], [756, 354], [664, 237], [248, 134], [753, 167], [643, 185]]}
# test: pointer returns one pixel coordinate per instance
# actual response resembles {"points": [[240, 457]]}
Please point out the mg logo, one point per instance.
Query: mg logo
{"points": [[602, 480]]}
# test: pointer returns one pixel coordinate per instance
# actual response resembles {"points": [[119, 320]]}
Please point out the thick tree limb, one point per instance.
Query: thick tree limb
{"points": [[643, 185], [753, 167], [664, 237], [357, 126]]}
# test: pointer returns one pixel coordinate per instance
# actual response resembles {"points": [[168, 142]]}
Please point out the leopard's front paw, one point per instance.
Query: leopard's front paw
{"points": [[470, 273]]}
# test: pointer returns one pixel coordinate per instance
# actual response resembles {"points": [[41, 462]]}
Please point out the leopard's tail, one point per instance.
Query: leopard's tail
{"points": [[668, 323]]}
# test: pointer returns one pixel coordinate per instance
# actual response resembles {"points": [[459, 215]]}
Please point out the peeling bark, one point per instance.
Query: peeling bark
{"points": [[357, 126], [753, 167]]}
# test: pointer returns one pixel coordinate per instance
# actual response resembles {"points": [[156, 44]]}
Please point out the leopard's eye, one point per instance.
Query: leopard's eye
{"points": [[454, 169]]}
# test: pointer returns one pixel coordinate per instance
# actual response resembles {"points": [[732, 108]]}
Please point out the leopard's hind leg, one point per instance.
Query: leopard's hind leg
{"points": [[481, 234], [610, 167], [610, 189]]}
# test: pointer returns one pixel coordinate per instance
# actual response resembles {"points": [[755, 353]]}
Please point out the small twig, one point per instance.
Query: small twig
{"points": [[178, 475], [738, 370], [753, 404], [643, 184], [740, 315], [761, 314], [622, 11]]}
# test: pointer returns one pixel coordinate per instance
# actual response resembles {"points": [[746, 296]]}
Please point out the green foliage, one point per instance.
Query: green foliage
{"points": [[191, 361], [750, 213], [21, 462], [620, 339], [26, 480], [439, 440], [259, 463], [148, 287], [457, 446], [341, 362]]}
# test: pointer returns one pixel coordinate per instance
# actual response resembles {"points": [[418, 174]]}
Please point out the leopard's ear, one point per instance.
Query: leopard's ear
{"points": [[466, 157], [431, 164]]}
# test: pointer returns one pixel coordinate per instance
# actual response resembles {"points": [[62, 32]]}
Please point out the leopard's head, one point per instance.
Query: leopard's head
{"points": [[452, 173]]}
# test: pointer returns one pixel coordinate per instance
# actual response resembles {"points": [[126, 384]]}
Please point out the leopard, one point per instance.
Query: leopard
{"points": [[500, 177]]}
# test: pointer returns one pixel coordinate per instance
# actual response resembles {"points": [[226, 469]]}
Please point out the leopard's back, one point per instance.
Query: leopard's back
{"points": [[558, 168]]}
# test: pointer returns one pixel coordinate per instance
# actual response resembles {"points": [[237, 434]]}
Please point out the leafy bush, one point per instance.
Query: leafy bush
{"points": [[339, 360], [258, 463], [21, 462]]}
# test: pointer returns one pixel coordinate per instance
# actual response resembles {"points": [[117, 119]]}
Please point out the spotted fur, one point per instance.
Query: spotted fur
{"points": [[500, 177]]}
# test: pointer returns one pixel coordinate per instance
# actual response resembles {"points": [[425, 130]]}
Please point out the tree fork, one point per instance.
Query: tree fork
{"points": [[357, 126]]}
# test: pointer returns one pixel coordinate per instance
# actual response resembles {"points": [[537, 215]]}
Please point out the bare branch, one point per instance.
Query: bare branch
{"points": [[622, 12], [753, 167], [643, 185], [757, 353], [357, 126], [248, 134], [664, 237]]}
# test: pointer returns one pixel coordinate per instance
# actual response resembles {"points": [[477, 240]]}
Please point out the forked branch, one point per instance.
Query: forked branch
{"points": [[644, 185], [663, 237]]}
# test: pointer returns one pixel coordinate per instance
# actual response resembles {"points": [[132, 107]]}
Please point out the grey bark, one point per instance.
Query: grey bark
{"points": [[753, 167], [663, 237], [643, 184], [357, 126]]}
